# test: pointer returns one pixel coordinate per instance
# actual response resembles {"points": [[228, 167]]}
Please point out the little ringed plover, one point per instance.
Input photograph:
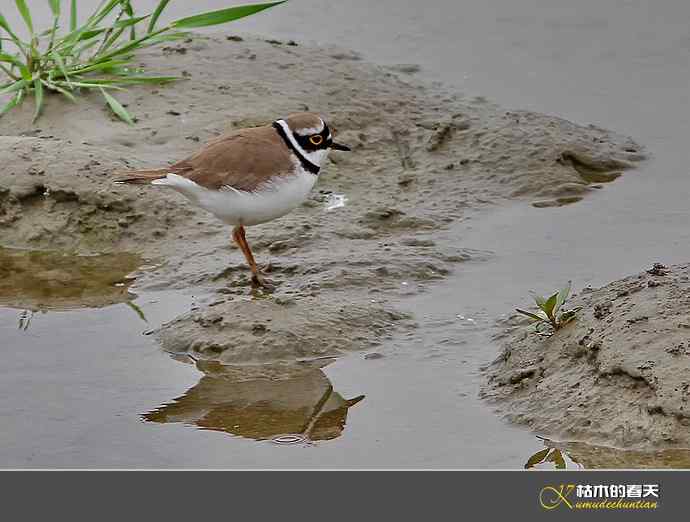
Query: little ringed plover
{"points": [[250, 176]]}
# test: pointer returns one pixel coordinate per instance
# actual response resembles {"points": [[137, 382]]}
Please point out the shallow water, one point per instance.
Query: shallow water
{"points": [[41, 281], [620, 65]]}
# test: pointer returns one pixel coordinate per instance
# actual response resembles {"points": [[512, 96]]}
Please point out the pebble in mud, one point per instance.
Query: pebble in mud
{"points": [[400, 195]]}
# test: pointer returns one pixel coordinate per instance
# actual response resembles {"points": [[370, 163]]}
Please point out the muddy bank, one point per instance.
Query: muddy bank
{"points": [[423, 158], [617, 375]]}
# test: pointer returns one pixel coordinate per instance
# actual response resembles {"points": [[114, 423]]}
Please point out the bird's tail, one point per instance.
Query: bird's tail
{"points": [[140, 177]]}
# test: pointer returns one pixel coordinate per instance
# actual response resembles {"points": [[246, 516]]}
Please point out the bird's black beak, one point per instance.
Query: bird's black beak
{"points": [[338, 146]]}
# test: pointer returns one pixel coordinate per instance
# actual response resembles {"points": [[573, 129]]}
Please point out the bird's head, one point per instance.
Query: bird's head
{"points": [[309, 136]]}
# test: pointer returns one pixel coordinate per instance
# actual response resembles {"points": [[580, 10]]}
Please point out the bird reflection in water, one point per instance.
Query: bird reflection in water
{"points": [[287, 405]]}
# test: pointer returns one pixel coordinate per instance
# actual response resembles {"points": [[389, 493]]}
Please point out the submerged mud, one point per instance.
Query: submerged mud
{"points": [[50, 280], [618, 375], [422, 158]]}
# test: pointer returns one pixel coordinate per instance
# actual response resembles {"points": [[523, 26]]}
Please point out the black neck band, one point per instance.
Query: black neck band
{"points": [[306, 164]]}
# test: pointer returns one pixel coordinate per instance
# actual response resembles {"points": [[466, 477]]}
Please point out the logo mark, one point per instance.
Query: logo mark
{"points": [[551, 497]]}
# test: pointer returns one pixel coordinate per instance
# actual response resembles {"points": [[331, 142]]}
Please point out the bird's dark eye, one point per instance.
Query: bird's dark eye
{"points": [[316, 139]]}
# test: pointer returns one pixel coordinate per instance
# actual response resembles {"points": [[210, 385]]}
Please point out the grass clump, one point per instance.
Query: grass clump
{"points": [[550, 313], [96, 55]]}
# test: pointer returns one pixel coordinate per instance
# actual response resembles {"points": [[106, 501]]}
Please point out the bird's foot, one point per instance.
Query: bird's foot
{"points": [[261, 282]]}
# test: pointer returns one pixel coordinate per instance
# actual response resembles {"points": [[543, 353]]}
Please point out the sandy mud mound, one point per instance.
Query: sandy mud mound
{"points": [[273, 330], [58, 195], [373, 228], [618, 375]]}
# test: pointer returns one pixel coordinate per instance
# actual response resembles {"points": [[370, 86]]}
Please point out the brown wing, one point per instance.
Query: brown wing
{"points": [[243, 160]]}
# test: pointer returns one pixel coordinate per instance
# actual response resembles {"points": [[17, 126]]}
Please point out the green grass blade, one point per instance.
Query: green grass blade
{"points": [[127, 8], [38, 95], [8, 58], [535, 317], [67, 42], [83, 48], [55, 7], [145, 79], [130, 21], [112, 40], [562, 297], [16, 100], [222, 16], [89, 85], [137, 309], [8, 30], [131, 45], [9, 73], [87, 35], [114, 83], [61, 65], [73, 16], [13, 87], [26, 14], [24, 71], [121, 26], [167, 37], [64, 92], [100, 66], [100, 14], [156, 15], [129, 11], [117, 108]]}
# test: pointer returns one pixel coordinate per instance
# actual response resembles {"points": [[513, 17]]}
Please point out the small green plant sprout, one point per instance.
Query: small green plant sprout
{"points": [[95, 56], [549, 312]]}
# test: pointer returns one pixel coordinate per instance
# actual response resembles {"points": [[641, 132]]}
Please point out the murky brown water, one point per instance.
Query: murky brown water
{"points": [[42, 281], [80, 386]]}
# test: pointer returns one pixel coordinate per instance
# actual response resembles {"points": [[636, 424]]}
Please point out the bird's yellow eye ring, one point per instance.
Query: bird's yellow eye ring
{"points": [[316, 139]]}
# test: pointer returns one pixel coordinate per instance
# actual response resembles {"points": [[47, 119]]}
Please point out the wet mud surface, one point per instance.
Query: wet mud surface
{"points": [[617, 375]]}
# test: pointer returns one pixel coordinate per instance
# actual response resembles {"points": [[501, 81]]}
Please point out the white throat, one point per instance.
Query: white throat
{"points": [[317, 157]]}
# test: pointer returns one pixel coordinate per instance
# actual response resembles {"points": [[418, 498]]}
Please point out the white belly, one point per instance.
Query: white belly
{"points": [[236, 207]]}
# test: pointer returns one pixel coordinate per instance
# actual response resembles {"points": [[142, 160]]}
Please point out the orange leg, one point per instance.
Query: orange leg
{"points": [[239, 236]]}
